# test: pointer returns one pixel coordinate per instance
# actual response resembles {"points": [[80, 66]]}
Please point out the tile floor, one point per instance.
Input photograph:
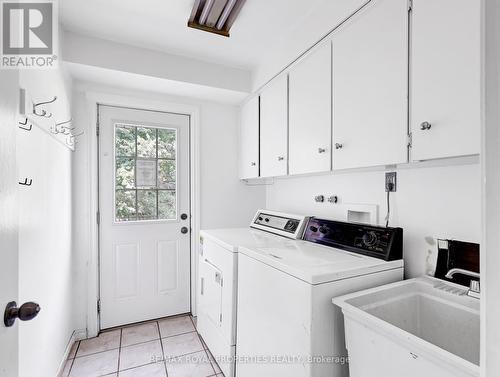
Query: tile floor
{"points": [[167, 347]]}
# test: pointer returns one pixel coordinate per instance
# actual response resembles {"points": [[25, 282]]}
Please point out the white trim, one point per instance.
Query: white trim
{"points": [[75, 336], [101, 98]]}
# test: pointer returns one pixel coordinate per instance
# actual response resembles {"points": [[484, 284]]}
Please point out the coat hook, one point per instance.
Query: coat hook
{"points": [[21, 125], [26, 182], [43, 113], [66, 130]]}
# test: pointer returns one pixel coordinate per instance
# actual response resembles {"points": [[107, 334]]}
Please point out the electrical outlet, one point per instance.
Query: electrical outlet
{"points": [[390, 182]]}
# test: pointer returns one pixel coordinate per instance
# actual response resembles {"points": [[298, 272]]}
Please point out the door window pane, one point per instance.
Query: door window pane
{"points": [[166, 174], [166, 204], [166, 143], [145, 173], [125, 207], [125, 141], [146, 205], [125, 173], [146, 142]]}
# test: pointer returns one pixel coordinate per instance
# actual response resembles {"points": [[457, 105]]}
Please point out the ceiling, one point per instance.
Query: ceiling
{"points": [[262, 26]]}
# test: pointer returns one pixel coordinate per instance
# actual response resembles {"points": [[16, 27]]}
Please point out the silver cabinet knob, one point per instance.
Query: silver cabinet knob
{"points": [[253, 164], [281, 158], [338, 146], [425, 126], [321, 150]]}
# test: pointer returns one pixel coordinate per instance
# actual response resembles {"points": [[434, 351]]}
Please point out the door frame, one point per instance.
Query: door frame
{"points": [[94, 99]]}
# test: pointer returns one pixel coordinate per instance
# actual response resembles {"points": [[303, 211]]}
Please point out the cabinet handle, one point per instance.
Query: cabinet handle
{"points": [[425, 126], [281, 158], [253, 164], [321, 150], [338, 146]]}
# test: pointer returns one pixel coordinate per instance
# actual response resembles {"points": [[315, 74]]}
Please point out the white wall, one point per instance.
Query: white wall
{"points": [[125, 58], [490, 263], [225, 201], [430, 203], [8, 218], [45, 220]]}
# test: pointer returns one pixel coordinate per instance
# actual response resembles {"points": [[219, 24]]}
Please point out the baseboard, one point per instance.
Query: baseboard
{"points": [[75, 336]]}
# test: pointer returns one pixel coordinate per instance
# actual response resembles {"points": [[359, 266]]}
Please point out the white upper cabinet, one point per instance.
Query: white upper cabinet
{"points": [[445, 78], [249, 139], [274, 128], [310, 113], [370, 87]]}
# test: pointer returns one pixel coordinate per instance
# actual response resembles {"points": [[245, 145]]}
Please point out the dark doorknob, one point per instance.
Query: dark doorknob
{"points": [[26, 312], [184, 216], [184, 230]]}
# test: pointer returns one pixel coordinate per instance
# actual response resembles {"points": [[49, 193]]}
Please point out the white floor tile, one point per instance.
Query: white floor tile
{"points": [[104, 342], [214, 363], [140, 354], [175, 326], [192, 365], [95, 365], [151, 370], [140, 333], [182, 344]]}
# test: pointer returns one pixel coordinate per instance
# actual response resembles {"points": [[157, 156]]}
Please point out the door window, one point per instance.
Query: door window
{"points": [[145, 173]]}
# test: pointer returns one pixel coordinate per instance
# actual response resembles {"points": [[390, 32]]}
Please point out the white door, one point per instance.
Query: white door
{"points": [[144, 215], [9, 273], [310, 104], [445, 78], [249, 139], [274, 128], [370, 87]]}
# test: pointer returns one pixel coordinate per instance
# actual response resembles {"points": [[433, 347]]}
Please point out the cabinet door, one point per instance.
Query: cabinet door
{"points": [[249, 139], [310, 110], [370, 87], [210, 305], [274, 128], [445, 78]]}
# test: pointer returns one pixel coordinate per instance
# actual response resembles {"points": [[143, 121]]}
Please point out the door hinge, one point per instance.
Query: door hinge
{"points": [[220, 318], [99, 306], [97, 128], [410, 5], [98, 217], [410, 141]]}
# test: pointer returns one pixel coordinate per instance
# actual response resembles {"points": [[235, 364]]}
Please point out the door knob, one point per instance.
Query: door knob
{"points": [[253, 164], [425, 126], [184, 216], [338, 146], [184, 230], [26, 312], [281, 158], [321, 150]]}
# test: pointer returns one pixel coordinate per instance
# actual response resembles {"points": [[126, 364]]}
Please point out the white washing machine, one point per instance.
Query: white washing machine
{"points": [[287, 326], [218, 276]]}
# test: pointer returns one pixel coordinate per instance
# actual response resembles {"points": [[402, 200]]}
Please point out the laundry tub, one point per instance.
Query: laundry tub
{"points": [[414, 328]]}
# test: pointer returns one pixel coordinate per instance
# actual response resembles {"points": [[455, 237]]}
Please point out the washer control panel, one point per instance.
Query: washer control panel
{"points": [[374, 241], [291, 226]]}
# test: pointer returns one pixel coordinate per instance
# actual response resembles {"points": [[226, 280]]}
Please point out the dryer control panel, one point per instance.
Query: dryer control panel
{"points": [[287, 225]]}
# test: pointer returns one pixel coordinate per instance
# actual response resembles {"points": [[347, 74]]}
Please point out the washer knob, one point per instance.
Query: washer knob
{"points": [[370, 239]]}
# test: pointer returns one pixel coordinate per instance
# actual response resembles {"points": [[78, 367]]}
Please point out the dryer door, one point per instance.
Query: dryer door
{"points": [[211, 292]]}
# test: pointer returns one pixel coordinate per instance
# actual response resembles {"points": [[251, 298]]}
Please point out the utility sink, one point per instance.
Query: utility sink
{"points": [[418, 327]]}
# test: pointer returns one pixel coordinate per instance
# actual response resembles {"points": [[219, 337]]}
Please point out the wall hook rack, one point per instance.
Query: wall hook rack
{"points": [[27, 182], [42, 112], [23, 125]]}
